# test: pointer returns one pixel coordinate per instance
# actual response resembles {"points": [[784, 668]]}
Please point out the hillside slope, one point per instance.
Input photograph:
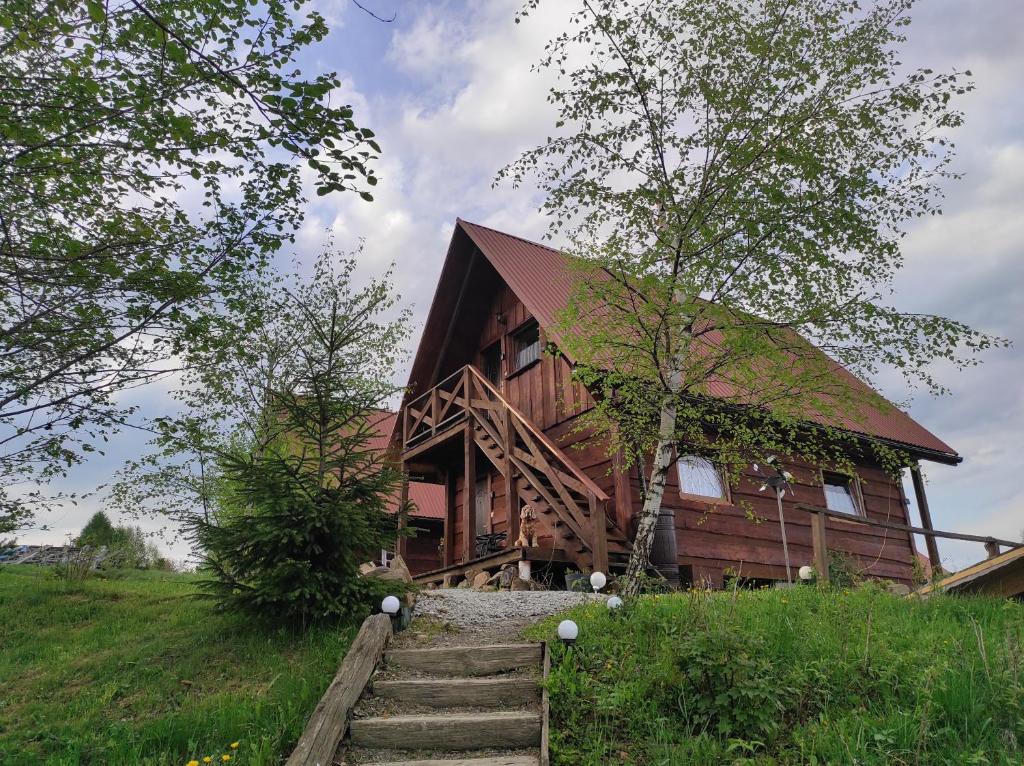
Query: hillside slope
{"points": [[791, 677], [135, 670]]}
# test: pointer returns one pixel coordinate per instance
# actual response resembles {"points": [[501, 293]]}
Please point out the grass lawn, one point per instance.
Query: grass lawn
{"points": [[791, 677], [134, 670]]}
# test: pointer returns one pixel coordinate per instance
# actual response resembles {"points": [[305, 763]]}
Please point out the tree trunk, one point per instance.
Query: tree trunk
{"points": [[640, 558]]}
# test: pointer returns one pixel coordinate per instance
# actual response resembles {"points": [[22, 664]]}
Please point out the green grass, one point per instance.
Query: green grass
{"points": [[134, 669], [791, 677]]}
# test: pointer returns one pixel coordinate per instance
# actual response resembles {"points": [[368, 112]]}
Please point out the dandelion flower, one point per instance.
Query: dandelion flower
{"points": [[207, 759], [193, 762], [234, 745], [225, 757]]}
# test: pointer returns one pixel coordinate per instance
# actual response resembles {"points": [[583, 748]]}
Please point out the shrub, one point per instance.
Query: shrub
{"points": [[292, 550]]}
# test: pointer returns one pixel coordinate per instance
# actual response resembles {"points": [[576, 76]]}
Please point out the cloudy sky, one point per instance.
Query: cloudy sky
{"points": [[447, 88]]}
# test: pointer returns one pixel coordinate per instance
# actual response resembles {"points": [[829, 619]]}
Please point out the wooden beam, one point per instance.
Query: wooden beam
{"points": [[449, 519], [904, 528], [511, 481], [428, 444], [820, 544], [599, 528], [403, 513], [623, 491], [545, 710], [926, 517], [468, 495], [327, 725]]}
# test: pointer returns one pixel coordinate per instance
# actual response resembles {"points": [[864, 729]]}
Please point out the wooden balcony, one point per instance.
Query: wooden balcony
{"points": [[571, 508]]}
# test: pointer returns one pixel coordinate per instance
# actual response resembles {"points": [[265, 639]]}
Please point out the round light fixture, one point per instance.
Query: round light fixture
{"points": [[390, 605], [614, 603], [806, 573], [568, 631], [598, 581]]}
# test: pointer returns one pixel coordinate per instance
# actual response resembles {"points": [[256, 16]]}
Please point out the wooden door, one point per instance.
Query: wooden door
{"points": [[483, 506]]}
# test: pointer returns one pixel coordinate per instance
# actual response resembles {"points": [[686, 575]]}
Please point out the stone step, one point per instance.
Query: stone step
{"points": [[461, 692], [498, 760], [466, 660], [448, 731]]}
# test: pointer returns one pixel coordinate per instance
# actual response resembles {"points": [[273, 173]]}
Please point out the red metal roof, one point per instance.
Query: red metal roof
{"points": [[427, 498], [541, 278]]}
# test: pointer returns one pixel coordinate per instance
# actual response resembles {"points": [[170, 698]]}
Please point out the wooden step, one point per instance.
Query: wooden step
{"points": [[496, 760], [448, 731], [466, 660], [461, 692]]}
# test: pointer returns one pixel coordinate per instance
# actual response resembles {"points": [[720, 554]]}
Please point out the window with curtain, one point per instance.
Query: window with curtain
{"points": [[700, 477], [525, 346]]}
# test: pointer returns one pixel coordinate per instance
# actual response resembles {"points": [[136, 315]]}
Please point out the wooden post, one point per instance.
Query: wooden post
{"points": [[623, 491], [992, 549], [599, 527], [449, 519], [329, 720], [511, 481], [469, 495], [926, 518], [820, 547], [403, 512], [435, 407]]}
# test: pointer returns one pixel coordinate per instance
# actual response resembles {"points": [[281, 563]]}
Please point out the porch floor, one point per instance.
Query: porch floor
{"points": [[494, 560]]}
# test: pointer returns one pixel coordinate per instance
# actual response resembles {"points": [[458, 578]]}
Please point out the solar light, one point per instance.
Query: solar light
{"points": [[567, 632], [614, 603], [390, 605], [598, 581], [806, 573]]}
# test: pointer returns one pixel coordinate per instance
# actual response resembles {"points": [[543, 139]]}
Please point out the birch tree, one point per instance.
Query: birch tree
{"points": [[735, 177]]}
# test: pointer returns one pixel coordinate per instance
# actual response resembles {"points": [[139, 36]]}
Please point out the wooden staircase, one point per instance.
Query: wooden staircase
{"points": [[571, 508], [472, 699]]}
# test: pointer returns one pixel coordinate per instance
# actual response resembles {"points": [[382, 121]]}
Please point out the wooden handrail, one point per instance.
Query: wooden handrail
{"points": [[540, 436], [904, 528]]}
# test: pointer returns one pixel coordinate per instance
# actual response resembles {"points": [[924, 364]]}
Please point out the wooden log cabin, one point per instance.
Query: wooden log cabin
{"points": [[490, 417]]}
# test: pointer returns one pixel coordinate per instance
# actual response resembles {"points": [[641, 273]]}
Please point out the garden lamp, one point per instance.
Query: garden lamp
{"points": [[568, 631]]}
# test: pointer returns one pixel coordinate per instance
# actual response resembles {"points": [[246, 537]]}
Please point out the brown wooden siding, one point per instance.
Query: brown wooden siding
{"points": [[709, 534], [421, 552], [544, 391]]}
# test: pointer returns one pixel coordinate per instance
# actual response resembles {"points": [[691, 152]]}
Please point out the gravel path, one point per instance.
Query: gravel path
{"points": [[481, 617]]}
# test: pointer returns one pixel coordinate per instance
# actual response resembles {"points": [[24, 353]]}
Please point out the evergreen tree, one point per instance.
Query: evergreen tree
{"points": [[98, 531]]}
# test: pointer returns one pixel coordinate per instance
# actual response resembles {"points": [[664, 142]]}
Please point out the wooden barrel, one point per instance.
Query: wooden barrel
{"points": [[664, 555]]}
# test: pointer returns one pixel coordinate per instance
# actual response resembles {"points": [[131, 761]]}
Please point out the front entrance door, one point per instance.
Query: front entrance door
{"points": [[483, 506], [492, 364]]}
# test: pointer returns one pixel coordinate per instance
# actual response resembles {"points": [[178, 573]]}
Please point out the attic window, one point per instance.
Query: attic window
{"points": [[525, 346], [700, 478], [839, 493]]}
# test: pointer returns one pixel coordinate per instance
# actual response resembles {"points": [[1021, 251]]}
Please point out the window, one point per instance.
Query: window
{"points": [[699, 477], [839, 493], [525, 346]]}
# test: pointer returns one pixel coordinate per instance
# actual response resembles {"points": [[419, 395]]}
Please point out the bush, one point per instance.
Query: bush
{"points": [[291, 548]]}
